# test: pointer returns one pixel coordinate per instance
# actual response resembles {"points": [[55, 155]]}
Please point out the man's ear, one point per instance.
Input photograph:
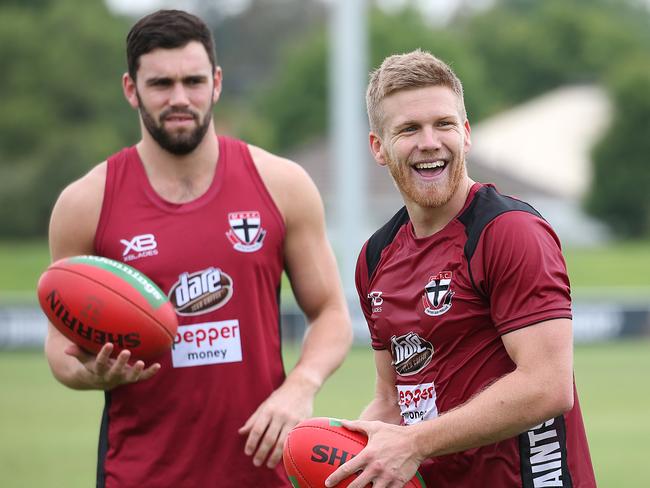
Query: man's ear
{"points": [[218, 78], [468, 139], [376, 148], [130, 90]]}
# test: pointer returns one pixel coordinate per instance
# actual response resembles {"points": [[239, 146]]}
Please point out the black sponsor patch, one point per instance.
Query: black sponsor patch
{"points": [[410, 353], [542, 451]]}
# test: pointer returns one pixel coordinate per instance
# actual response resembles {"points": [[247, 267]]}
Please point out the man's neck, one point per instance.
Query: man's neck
{"points": [[427, 221], [183, 178]]}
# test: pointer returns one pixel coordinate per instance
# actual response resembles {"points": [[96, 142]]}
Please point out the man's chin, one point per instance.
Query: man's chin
{"points": [[431, 203], [182, 148], [428, 198]]}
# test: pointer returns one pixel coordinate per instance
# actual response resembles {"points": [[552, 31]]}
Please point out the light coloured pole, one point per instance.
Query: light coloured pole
{"points": [[348, 133]]}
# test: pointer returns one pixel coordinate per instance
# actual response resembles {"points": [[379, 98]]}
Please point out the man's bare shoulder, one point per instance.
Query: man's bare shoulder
{"points": [[87, 190], [76, 214], [272, 165], [287, 181]]}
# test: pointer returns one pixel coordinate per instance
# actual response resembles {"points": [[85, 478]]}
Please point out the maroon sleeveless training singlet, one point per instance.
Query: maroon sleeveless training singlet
{"points": [[220, 259]]}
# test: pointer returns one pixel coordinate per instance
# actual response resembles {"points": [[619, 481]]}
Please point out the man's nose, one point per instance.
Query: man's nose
{"points": [[179, 96], [429, 139]]}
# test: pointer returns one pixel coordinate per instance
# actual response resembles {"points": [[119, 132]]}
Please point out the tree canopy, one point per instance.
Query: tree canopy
{"points": [[65, 111], [516, 50], [62, 62]]}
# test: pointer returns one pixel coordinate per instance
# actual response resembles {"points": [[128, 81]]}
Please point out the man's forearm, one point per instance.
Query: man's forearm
{"points": [[325, 346], [508, 407]]}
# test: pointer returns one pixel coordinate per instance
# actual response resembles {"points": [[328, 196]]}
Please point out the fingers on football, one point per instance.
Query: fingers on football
{"points": [[358, 425], [354, 465], [149, 372], [102, 361], [117, 372], [134, 373]]}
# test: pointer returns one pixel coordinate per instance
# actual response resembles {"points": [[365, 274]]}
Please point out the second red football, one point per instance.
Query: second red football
{"points": [[316, 447]]}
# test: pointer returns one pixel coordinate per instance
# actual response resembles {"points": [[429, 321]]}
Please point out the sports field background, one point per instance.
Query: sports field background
{"points": [[48, 434]]}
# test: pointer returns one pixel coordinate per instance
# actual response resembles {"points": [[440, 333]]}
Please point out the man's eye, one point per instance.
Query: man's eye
{"points": [[161, 83], [193, 81]]}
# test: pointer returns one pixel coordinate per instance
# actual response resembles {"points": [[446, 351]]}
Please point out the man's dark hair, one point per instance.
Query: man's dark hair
{"points": [[166, 29]]}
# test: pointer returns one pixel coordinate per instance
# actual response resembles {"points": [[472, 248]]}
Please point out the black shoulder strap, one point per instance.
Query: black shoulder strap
{"points": [[382, 238], [487, 205]]}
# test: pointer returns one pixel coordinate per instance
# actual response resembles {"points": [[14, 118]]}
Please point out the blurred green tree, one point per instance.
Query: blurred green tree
{"points": [[542, 45], [62, 61], [64, 112], [619, 193], [505, 55], [529, 47], [294, 103]]}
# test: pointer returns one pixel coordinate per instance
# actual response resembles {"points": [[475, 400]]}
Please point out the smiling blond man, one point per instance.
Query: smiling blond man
{"points": [[467, 299]]}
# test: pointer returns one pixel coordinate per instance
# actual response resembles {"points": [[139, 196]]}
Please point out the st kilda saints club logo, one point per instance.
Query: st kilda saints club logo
{"points": [[411, 353], [437, 294], [246, 233]]}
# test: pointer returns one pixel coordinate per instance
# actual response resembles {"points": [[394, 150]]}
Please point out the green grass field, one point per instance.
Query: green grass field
{"points": [[48, 434], [624, 264], [21, 264]]}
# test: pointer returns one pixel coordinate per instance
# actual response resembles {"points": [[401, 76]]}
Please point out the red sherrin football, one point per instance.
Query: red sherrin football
{"points": [[316, 447], [93, 300]]}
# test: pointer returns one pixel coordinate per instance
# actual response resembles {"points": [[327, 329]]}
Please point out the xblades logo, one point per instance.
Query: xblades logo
{"points": [[139, 247], [376, 300]]}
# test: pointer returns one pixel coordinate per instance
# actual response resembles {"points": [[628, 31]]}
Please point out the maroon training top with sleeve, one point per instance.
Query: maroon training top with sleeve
{"points": [[440, 305], [220, 259]]}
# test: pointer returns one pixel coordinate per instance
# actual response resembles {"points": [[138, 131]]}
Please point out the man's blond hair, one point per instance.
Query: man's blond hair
{"points": [[417, 69]]}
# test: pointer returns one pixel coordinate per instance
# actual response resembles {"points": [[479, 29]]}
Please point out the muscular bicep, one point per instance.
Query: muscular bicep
{"points": [[309, 259], [544, 353]]}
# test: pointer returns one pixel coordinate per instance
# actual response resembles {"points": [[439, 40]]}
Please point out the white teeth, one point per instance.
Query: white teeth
{"points": [[436, 164]]}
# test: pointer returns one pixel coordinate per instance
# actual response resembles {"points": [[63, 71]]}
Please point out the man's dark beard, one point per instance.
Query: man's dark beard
{"points": [[181, 144]]}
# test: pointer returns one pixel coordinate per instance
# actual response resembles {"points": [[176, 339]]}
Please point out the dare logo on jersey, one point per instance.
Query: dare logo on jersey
{"points": [[201, 291], [437, 294], [411, 353]]}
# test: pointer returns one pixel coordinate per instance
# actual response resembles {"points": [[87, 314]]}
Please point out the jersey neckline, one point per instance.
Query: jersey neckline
{"points": [[415, 242], [199, 201]]}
